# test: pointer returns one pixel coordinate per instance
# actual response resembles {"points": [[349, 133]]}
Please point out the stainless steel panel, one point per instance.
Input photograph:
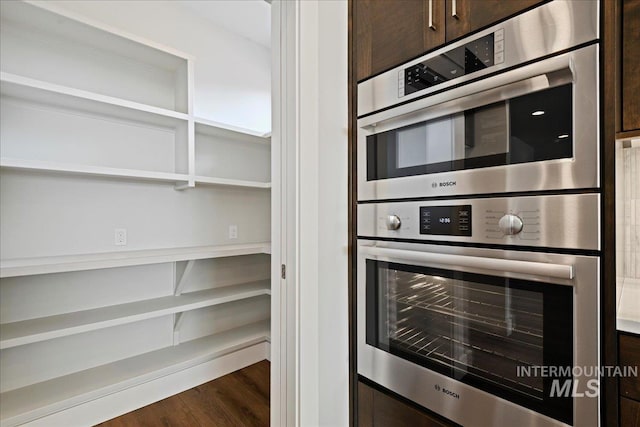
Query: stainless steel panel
{"points": [[581, 171], [569, 221], [556, 271], [475, 407], [547, 29]]}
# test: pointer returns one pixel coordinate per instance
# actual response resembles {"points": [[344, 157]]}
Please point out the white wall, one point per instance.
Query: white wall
{"points": [[628, 221], [324, 398], [333, 202], [232, 73], [49, 215]]}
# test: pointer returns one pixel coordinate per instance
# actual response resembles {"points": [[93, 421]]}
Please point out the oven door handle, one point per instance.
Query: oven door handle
{"points": [[521, 81], [503, 265]]}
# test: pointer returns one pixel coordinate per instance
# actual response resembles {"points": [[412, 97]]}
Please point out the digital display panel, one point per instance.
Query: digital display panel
{"points": [[446, 220], [473, 56]]}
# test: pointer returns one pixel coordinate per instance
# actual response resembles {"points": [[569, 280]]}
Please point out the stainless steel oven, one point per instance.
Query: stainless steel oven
{"points": [[512, 108], [479, 227], [481, 335]]}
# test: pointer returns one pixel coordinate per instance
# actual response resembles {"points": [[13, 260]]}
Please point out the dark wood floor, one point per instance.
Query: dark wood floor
{"points": [[238, 399]]}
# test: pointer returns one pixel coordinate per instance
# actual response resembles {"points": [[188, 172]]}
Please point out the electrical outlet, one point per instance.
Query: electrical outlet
{"points": [[120, 237], [233, 231]]}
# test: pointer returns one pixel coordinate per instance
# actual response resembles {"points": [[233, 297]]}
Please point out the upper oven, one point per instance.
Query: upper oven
{"points": [[513, 108]]}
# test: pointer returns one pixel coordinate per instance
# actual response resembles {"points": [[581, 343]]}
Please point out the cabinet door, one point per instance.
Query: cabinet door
{"points": [[390, 32], [630, 65], [376, 409], [365, 405], [629, 413], [630, 356], [465, 16]]}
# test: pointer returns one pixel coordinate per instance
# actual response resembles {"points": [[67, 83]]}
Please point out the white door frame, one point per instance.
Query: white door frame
{"points": [[309, 361], [284, 220]]}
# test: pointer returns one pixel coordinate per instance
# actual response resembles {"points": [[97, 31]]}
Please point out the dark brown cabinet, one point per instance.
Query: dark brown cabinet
{"points": [[630, 65], [377, 409], [391, 32], [465, 16], [629, 386], [630, 356], [629, 413]]}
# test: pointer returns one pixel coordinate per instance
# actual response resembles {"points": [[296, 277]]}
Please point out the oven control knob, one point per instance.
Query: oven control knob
{"points": [[393, 222], [510, 224]]}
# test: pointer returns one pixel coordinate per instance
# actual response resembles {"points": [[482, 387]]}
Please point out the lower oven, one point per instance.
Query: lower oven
{"points": [[481, 335]]}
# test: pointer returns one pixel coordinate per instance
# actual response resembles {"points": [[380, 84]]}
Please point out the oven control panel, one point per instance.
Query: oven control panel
{"points": [[556, 221], [445, 220], [473, 56]]}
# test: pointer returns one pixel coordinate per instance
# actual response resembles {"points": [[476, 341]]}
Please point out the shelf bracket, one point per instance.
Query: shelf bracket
{"points": [[178, 318], [185, 185], [181, 275]]}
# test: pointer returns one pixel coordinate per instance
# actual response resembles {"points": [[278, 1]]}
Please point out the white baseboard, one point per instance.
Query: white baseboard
{"points": [[116, 404]]}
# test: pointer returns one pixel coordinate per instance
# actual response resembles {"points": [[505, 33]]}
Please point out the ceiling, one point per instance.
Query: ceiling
{"points": [[248, 18]]}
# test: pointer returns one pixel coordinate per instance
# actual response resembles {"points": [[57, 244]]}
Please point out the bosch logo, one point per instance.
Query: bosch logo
{"points": [[447, 392], [451, 393], [443, 184]]}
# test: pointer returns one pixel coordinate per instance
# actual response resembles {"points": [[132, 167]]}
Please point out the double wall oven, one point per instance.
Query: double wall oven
{"points": [[478, 223]]}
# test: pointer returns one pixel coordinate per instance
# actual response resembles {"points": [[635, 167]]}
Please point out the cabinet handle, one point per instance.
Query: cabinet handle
{"points": [[454, 9], [433, 27]]}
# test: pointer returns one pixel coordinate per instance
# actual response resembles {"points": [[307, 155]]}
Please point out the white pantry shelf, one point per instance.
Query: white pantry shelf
{"points": [[43, 41], [34, 330], [41, 92], [65, 168], [60, 22], [25, 404], [225, 182], [58, 264], [210, 127]]}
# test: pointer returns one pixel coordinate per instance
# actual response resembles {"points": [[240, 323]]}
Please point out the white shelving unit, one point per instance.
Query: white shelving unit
{"points": [[222, 127], [231, 182], [57, 264], [230, 156], [32, 402], [43, 92], [74, 169], [112, 98], [44, 43], [45, 328], [88, 111]]}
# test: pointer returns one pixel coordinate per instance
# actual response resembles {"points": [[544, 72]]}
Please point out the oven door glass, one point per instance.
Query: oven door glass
{"points": [[480, 330], [528, 128]]}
